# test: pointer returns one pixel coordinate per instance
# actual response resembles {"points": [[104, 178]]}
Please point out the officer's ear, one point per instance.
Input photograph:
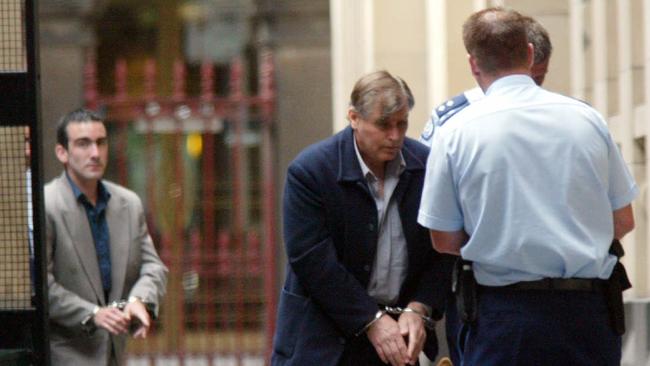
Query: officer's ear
{"points": [[530, 55], [473, 66]]}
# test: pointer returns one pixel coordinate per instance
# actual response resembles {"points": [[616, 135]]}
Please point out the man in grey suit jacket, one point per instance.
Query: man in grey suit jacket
{"points": [[99, 253]]}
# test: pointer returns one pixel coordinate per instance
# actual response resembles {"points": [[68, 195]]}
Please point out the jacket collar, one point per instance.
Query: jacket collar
{"points": [[102, 193], [349, 168]]}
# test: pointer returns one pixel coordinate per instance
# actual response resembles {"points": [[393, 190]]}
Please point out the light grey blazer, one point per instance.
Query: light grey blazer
{"points": [[73, 276]]}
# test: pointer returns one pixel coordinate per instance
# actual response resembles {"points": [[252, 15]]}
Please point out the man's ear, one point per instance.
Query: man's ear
{"points": [[473, 65], [353, 117], [61, 153], [531, 55]]}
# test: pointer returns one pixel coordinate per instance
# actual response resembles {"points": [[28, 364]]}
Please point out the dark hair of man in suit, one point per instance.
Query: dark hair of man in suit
{"points": [[79, 116]]}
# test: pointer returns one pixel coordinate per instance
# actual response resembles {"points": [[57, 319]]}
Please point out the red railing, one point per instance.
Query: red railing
{"points": [[203, 165]]}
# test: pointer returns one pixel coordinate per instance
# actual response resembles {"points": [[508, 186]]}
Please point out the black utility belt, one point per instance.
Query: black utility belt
{"points": [[556, 284]]}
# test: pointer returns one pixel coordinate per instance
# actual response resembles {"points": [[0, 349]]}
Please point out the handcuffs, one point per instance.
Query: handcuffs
{"points": [[429, 323]]}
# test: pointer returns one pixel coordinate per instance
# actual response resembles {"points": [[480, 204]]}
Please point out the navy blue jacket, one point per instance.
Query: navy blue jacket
{"points": [[330, 233]]}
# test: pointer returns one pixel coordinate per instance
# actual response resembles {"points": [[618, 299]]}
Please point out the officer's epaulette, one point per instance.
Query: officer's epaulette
{"points": [[451, 107]]}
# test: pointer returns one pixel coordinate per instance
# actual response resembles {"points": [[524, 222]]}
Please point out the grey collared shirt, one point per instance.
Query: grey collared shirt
{"points": [[391, 261]]}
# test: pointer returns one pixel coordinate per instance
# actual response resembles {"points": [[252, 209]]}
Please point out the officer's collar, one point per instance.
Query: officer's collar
{"points": [[508, 81]]}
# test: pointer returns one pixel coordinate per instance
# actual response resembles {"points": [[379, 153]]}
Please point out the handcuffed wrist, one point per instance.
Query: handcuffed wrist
{"points": [[428, 322], [411, 310], [378, 315], [420, 308]]}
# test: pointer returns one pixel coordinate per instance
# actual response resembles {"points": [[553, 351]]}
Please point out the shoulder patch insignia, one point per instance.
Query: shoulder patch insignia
{"points": [[428, 131], [450, 107], [451, 104]]}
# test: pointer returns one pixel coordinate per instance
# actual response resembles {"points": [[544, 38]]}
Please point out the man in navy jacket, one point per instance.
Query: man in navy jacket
{"points": [[362, 278]]}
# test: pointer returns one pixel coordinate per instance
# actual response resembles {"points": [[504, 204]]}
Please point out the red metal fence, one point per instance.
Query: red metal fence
{"points": [[203, 165]]}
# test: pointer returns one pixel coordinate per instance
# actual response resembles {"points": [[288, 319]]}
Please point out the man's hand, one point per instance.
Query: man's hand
{"points": [[411, 326], [137, 310], [112, 319], [384, 334]]}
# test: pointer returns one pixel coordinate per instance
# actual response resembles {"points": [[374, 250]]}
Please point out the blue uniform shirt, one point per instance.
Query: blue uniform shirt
{"points": [[532, 177], [99, 228]]}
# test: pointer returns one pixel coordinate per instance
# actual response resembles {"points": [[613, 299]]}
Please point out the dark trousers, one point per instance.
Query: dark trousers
{"points": [[537, 327], [453, 326]]}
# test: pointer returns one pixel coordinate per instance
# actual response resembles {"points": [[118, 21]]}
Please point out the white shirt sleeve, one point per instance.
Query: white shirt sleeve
{"points": [[439, 207], [622, 188]]}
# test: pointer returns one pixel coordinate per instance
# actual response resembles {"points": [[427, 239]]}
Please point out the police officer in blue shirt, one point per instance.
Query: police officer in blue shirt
{"points": [[541, 41], [538, 36], [530, 187]]}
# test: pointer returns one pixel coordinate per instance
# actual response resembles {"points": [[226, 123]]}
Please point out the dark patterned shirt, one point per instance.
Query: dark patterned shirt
{"points": [[99, 228]]}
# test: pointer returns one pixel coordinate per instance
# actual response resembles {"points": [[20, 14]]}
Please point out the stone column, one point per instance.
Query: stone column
{"points": [[298, 34], [64, 36]]}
